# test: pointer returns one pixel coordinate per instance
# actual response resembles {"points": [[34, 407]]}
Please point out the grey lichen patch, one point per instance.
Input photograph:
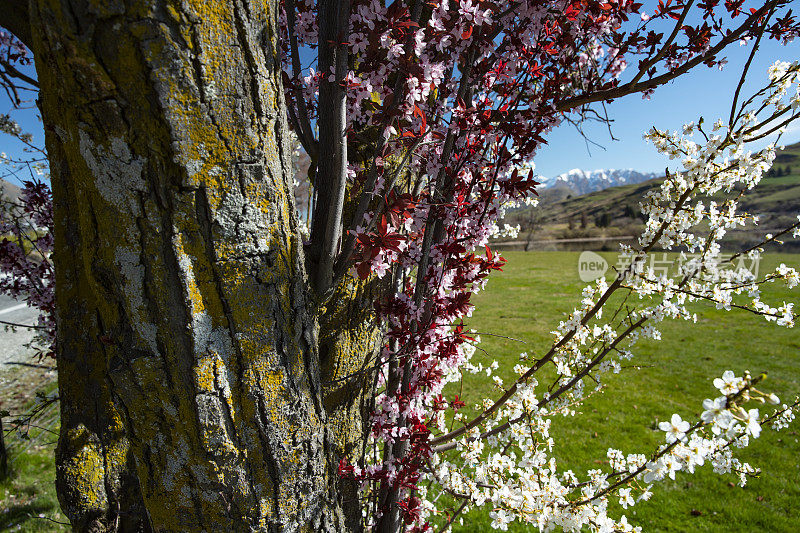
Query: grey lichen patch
{"points": [[213, 426], [211, 340], [228, 214], [63, 134], [130, 266], [193, 165], [118, 175], [245, 223], [176, 458], [216, 346]]}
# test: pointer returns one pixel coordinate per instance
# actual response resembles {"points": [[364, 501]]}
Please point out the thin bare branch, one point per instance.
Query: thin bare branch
{"points": [[331, 176], [665, 48], [747, 66]]}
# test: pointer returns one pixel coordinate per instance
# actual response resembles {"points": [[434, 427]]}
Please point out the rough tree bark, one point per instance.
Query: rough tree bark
{"points": [[200, 388], [95, 475]]}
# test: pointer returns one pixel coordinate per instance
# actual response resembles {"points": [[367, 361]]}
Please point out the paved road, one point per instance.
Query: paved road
{"points": [[12, 343]]}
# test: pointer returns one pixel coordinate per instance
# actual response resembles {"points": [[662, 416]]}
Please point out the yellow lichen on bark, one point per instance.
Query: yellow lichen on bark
{"points": [[84, 463], [204, 374], [350, 336]]}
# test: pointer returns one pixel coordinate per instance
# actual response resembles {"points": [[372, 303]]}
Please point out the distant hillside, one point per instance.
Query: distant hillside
{"points": [[615, 211]]}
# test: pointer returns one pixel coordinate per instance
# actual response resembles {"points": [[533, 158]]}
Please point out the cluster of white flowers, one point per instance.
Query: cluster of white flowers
{"points": [[524, 484], [784, 77], [527, 487], [730, 423], [507, 231]]}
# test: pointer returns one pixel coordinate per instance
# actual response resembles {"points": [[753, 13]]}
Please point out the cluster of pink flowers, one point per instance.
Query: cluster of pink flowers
{"points": [[26, 272], [12, 49], [26, 223]]}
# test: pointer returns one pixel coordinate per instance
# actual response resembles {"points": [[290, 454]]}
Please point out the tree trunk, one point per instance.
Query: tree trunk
{"points": [[181, 293]]}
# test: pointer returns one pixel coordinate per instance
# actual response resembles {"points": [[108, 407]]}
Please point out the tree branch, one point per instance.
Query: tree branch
{"points": [[12, 70], [349, 242], [331, 176], [438, 442], [634, 86]]}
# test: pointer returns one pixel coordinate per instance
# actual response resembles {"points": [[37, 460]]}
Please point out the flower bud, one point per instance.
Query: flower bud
{"points": [[773, 399]]}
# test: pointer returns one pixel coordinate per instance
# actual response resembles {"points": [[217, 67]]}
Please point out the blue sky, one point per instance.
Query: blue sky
{"points": [[29, 120], [703, 92]]}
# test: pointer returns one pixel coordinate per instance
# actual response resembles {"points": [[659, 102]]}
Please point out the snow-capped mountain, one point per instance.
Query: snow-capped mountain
{"points": [[9, 191], [586, 181]]}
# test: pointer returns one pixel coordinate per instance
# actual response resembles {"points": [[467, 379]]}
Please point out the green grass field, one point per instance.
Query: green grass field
{"points": [[525, 302], [533, 293], [28, 500]]}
